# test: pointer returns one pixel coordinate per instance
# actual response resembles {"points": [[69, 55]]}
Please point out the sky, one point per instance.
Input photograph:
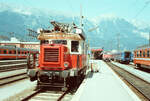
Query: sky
{"points": [[128, 9]]}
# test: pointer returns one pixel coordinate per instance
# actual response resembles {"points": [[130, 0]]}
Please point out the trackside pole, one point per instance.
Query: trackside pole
{"points": [[91, 67]]}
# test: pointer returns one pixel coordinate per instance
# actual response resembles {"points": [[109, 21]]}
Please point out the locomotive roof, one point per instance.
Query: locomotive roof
{"points": [[78, 34], [71, 36]]}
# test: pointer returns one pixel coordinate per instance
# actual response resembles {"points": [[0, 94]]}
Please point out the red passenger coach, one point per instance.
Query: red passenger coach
{"points": [[142, 56], [11, 52], [62, 58]]}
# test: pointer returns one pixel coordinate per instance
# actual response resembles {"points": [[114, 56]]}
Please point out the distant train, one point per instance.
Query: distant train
{"points": [[122, 57], [142, 56], [97, 53], [107, 57], [11, 52]]}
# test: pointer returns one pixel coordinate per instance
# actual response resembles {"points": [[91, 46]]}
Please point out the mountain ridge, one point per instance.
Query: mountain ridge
{"points": [[108, 27]]}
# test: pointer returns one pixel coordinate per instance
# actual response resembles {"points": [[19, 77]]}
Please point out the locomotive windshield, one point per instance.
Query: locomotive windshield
{"points": [[54, 42], [127, 54], [60, 42]]}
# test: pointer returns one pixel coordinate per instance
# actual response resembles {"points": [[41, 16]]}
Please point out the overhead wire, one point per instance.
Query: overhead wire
{"points": [[146, 4]]}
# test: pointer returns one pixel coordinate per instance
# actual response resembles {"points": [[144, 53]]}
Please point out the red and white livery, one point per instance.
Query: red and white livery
{"points": [[62, 58]]}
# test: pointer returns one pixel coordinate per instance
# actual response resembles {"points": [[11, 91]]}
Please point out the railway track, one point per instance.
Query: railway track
{"points": [[52, 93], [138, 85], [144, 69], [49, 95], [9, 65], [12, 78]]}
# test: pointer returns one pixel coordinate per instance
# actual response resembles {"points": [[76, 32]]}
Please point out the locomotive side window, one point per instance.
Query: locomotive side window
{"points": [[74, 46], [5, 51]]}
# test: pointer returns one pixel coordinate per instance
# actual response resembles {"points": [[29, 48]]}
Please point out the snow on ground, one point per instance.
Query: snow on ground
{"points": [[143, 75], [11, 90], [104, 86]]}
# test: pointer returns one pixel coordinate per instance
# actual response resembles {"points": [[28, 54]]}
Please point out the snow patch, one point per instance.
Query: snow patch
{"points": [[103, 17], [140, 24], [22, 11]]}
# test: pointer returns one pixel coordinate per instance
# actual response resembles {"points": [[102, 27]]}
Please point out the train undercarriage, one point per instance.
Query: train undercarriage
{"points": [[60, 79]]}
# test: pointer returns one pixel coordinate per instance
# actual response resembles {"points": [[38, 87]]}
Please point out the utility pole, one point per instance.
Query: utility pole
{"points": [[118, 42], [111, 44], [149, 38], [81, 17]]}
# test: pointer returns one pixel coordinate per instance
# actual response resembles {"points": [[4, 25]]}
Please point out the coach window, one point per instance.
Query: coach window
{"points": [[18, 52], [10, 52], [148, 53], [0, 51], [137, 54], [15, 52], [74, 46], [5, 51], [143, 53], [140, 53]]}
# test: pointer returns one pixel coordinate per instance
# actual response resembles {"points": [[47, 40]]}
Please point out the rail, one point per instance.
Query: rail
{"points": [[49, 95], [10, 65], [12, 78], [138, 85]]}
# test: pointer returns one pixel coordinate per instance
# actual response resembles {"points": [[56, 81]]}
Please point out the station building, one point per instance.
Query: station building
{"points": [[15, 42]]}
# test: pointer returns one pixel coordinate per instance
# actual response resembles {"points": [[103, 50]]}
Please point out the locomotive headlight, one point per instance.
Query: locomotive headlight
{"points": [[66, 64]]}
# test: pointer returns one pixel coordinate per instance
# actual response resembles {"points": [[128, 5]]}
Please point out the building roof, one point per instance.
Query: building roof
{"points": [[16, 41]]}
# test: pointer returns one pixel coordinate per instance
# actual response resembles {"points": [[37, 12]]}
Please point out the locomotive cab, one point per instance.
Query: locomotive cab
{"points": [[62, 57]]}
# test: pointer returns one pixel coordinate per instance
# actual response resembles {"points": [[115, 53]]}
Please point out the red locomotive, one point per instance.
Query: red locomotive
{"points": [[12, 52], [97, 53], [62, 58], [142, 56]]}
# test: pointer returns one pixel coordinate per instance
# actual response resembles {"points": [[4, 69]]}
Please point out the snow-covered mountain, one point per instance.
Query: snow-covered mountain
{"points": [[112, 28], [108, 28]]}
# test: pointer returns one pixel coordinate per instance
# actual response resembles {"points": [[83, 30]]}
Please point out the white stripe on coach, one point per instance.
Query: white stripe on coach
{"points": [[142, 59]]}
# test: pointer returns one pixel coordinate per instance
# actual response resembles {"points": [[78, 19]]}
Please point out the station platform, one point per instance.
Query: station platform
{"points": [[104, 85]]}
